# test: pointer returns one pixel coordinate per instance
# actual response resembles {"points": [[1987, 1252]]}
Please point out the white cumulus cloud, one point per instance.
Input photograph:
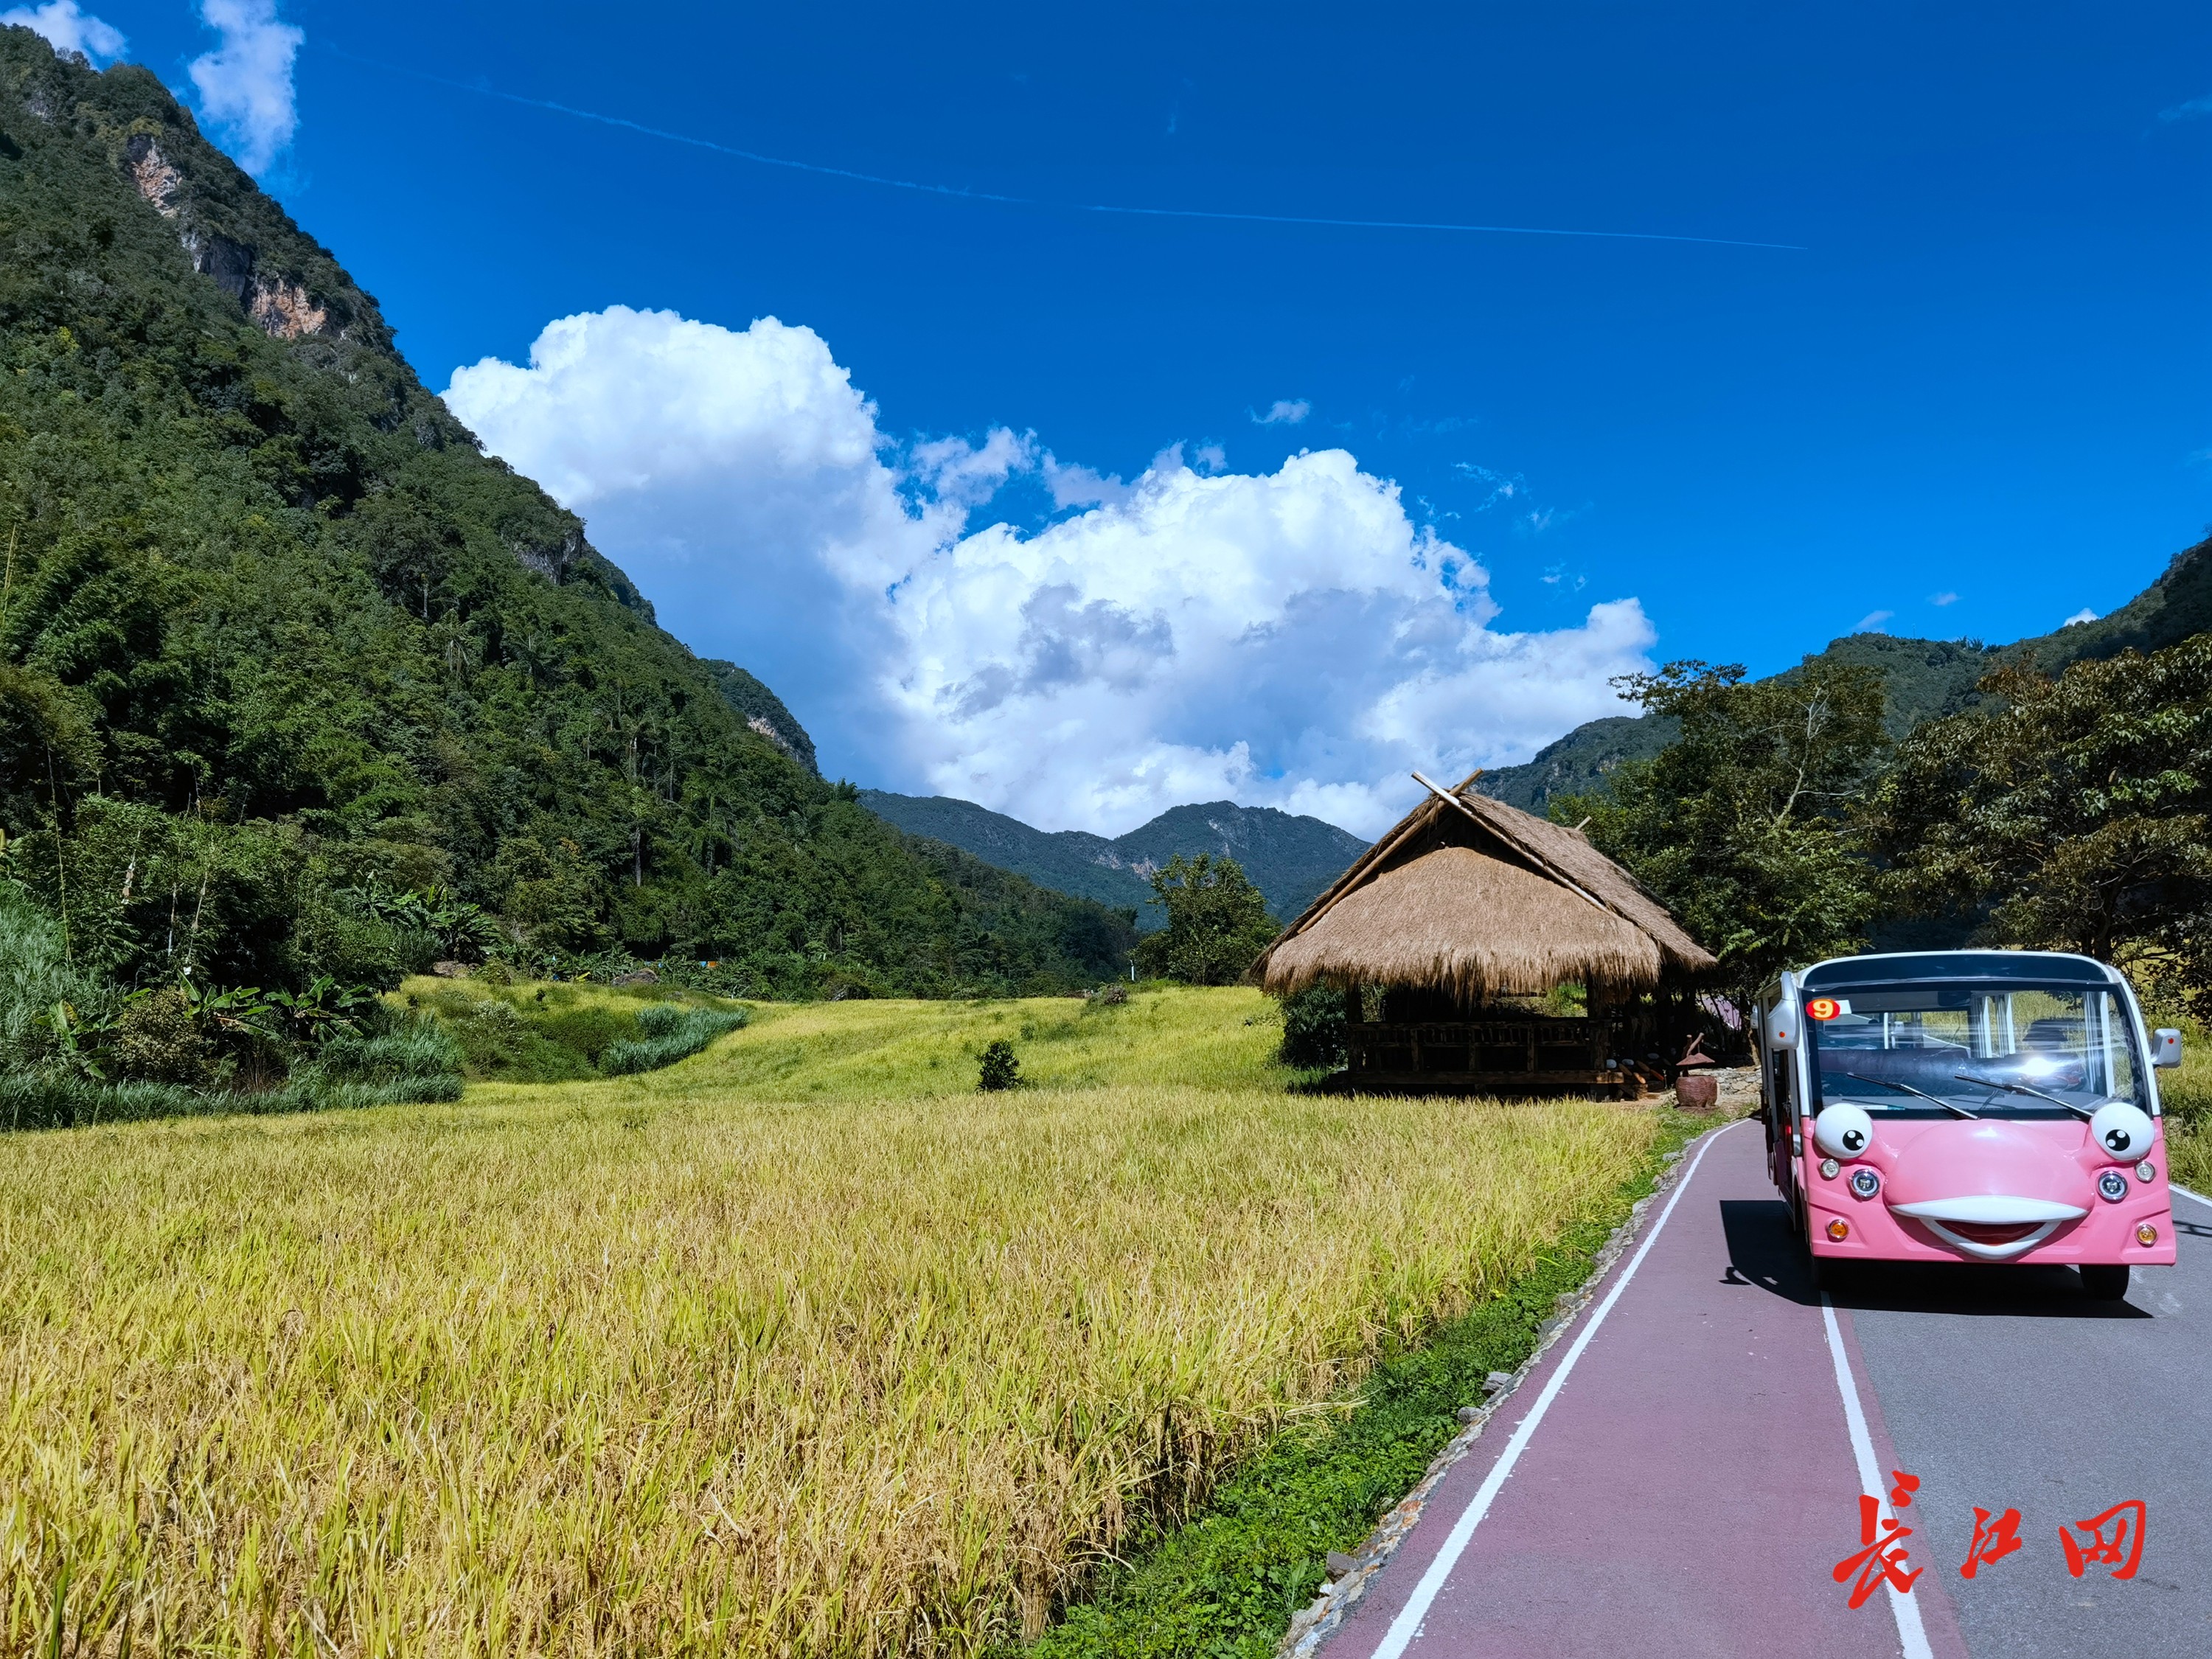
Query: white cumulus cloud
{"points": [[67, 29], [2084, 615], [1288, 639], [245, 82], [1285, 411]]}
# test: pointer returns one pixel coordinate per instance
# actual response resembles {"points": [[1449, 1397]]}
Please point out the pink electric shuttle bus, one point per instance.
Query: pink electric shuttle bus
{"points": [[1968, 1106]]}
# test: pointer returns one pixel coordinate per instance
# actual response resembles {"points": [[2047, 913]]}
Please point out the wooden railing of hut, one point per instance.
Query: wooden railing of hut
{"points": [[1506, 1052]]}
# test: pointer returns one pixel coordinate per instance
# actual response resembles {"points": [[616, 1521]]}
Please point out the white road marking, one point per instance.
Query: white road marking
{"points": [[2176, 1187], [1910, 1632], [1407, 1625]]}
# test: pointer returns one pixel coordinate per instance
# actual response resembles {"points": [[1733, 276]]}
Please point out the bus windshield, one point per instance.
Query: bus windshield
{"points": [[1986, 1049]]}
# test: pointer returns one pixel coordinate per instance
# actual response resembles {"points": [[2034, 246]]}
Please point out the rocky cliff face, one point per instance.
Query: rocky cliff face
{"points": [[247, 248], [281, 306]]}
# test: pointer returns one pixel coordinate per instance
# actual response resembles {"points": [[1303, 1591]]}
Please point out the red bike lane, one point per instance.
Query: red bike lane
{"points": [[1678, 1474]]}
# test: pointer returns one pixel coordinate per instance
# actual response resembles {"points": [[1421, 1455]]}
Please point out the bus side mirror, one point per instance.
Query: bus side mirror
{"points": [[1781, 1026], [2166, 1048]]}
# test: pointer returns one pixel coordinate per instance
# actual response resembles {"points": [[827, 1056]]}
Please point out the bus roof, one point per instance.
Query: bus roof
{"points": [[2042, 967]]}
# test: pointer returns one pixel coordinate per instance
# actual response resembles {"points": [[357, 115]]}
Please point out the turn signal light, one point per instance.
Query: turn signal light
{"points": [[1839, 1230], [2146, 1234]]}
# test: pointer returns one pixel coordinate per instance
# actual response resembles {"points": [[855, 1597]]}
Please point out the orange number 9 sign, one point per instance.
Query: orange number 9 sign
{"points": [[1823, 1008]]}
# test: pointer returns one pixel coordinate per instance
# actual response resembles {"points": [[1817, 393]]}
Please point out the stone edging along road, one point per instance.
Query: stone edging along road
{"points": [[1316, 1623]]}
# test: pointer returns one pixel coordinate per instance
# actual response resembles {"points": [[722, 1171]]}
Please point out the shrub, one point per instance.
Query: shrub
{"points": [[1313, 1028], [49, 1100], [659, 1019], [668, 1033], [156, 1040], [1000, 1070], [418, 1061]]}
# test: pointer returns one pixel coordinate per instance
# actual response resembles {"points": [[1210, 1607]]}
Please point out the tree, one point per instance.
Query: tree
{"points": [[1218, 921], [1739, 826], [2073, 813]]}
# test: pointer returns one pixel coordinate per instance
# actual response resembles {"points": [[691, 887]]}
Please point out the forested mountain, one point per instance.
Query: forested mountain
{"points": [[276, 638], [1924, 679], [1289, 857]]}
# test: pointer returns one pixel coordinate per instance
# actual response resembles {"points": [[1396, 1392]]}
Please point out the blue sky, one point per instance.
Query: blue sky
{"points": [[1977, 368]]}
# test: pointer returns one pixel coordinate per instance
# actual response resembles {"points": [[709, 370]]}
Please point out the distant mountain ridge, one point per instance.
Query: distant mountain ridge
{"points": [[1925, 678], [1289, 857]]}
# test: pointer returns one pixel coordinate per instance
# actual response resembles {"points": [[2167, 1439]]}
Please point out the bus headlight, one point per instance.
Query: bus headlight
{"points": [[2123, 1131], [1843, 1130]]}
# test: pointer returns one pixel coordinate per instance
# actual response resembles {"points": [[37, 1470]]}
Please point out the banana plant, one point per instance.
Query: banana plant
{"points": [[242, 1011], [461, 926], [323, 1009]]}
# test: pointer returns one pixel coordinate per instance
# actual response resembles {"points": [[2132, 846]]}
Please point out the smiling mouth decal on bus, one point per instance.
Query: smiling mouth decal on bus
{"points": [[1991, 1226]]}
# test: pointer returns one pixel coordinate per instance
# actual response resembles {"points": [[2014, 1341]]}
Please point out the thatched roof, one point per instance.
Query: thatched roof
{"points": [[1474, 896]]}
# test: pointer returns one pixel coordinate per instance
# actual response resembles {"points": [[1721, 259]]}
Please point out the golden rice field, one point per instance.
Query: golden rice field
{"points": [[800, 1347]]}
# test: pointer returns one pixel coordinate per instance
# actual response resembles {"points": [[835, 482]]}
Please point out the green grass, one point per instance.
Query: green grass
{"points": [[1165, 1038], [415, 1063], [546, 1033]]}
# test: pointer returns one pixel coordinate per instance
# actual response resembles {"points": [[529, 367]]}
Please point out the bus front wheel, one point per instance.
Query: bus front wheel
{"points": [[2104, 1283]]}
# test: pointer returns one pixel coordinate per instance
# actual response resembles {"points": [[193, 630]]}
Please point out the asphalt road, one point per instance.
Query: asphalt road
{"points": [[1679, 1473]]}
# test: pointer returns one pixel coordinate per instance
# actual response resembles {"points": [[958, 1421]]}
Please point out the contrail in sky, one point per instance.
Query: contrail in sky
{"points": [[1032, 202]]}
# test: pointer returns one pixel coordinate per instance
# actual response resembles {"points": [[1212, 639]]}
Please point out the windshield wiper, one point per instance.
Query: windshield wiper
{"points": [[1884, 1082], [2082, 1112]]}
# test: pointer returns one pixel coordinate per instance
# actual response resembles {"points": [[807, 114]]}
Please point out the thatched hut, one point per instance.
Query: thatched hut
{"points": [[1446, 932]]}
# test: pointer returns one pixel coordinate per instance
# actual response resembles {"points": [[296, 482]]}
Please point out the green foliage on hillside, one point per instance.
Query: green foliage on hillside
{"points": [[2073, 813], [1920, 680], [1070, 861], [277, 637], [2070, 812], [763, 712]]}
